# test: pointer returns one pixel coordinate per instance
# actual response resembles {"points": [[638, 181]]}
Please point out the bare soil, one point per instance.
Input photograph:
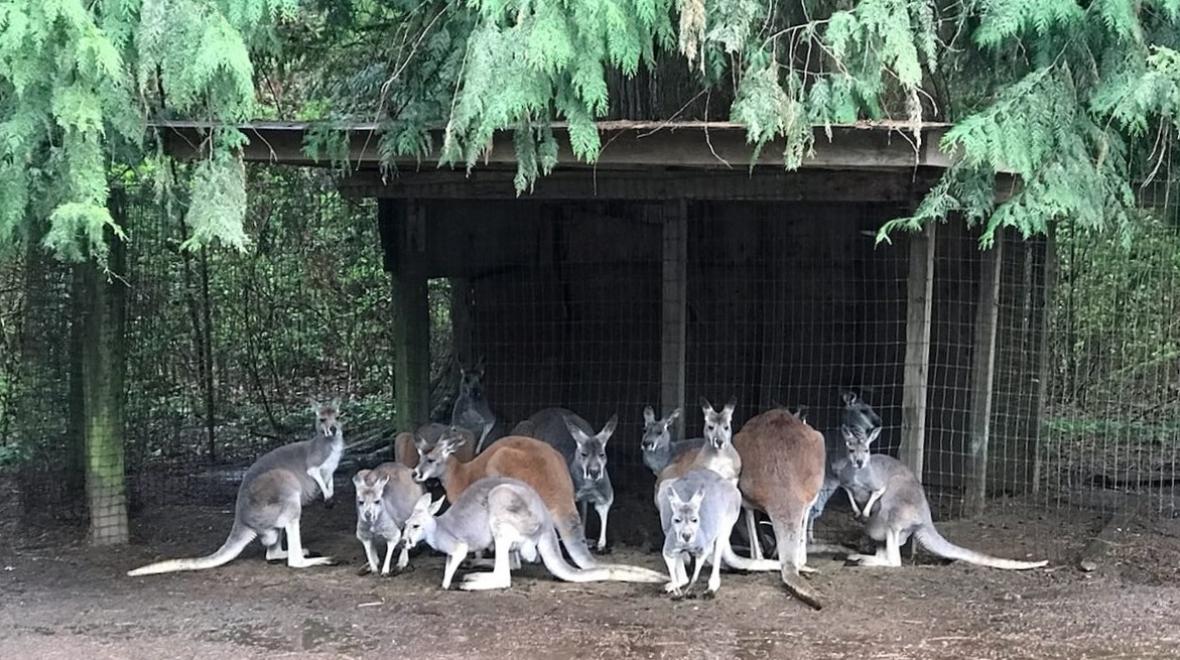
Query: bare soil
{"points": [[62, 599]]}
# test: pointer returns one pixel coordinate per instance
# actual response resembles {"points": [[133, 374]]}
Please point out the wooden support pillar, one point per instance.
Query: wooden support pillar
{"points": [[103, 370], [920, 294], [983, 369], [402, 224], [674, 308], [1046, 320]]}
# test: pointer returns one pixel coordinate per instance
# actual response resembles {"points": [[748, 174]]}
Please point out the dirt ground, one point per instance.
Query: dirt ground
{"points": [[61, 599]]}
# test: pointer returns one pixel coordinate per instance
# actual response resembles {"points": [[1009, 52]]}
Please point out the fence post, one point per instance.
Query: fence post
{"points": [[920, 292], [103, 371], [402, 224], [673, 316], [1043, 348], [983, 368]]}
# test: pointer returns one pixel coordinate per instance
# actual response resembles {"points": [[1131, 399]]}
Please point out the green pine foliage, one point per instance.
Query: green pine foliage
{"points": [[78, 79], [1079, 100]]}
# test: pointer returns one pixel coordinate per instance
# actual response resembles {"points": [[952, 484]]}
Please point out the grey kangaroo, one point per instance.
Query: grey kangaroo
{"points": [[856, 414], [471, 410], [585, 453], [385, 497], [698, 512], [271, 498], [901, 510], [506, 514], [658, 447]]}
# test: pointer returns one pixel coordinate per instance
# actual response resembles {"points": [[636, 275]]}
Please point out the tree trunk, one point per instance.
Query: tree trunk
{"points": [[102, 385]]}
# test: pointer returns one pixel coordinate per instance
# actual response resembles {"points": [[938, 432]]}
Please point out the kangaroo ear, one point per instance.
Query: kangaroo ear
{"points": [[672, 418], [696, 498], [437, 504], [649, 416], [421, 444], [706, 406], [358, 479], [674, 497], [873, 435], [848, 397], [315, 405], [576, 431], [451, 440], [423, 503], [380, 485], [608, 430], [730, 405], [846, 431]]}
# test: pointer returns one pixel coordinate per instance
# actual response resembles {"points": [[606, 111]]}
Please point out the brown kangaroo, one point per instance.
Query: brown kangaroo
{"points": [[783, 470], [406, 444], [535, 463]]}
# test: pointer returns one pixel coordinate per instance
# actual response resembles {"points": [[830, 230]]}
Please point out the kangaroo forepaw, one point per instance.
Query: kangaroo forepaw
{"points": [[807, 571], [603, 549]]}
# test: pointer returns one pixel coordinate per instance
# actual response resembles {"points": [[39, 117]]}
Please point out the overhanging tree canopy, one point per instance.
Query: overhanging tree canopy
{"points": [[1080, 99]]}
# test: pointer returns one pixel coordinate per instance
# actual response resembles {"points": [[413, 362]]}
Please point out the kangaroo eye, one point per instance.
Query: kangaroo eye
{"points": [[695, 520], [710, 427], [676, 520]]}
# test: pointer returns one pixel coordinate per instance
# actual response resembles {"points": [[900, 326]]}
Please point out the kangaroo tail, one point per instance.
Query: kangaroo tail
{"points": [[930, 539], [734, 560], [789, 533], [550, 552], [569, 526], [239, 537]]}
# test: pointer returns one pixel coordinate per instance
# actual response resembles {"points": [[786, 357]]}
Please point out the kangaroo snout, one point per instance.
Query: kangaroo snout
{"points": [[686, 536]]}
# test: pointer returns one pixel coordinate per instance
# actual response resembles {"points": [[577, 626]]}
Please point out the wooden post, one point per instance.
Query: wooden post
{"points": [[1050, 280], [674, 316], [103, 371], [403, 234], [920, 293], [983, 369]]}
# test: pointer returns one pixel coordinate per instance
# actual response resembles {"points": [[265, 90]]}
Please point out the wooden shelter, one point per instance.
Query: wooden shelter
{"points": [[679, 266]]}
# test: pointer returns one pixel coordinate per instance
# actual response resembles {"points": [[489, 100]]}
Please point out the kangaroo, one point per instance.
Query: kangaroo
{"points": [[716, 452], [857, 414], [531, 461], [271, 498], [698, 512], [585, 453], [783, 469], [657, 445], [902, 510], [385, 496], [471, 410], [406, 445], [504, 514]]}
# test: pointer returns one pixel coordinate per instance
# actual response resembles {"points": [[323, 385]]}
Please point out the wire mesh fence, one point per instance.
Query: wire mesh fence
{"points": [[568, 304]]}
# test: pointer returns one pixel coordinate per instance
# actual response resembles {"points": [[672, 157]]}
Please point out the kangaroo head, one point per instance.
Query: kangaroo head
{"points": [[421, 520], [857, 413], [656, 432], [470, 379], [432, 462], [368, 495], [718, 431], [858, 443], [327, 417], [590, 457], [686, 515]]}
